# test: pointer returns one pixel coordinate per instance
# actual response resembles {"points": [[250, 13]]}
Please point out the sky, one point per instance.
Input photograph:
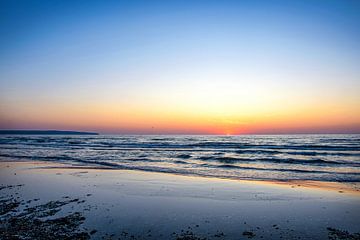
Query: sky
{"points": [[181, 67]]}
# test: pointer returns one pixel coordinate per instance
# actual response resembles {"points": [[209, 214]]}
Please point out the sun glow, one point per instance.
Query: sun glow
{"points": [[189, 72]]}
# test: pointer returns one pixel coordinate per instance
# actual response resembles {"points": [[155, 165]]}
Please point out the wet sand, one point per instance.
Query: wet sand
{"points": [[51, 201]]}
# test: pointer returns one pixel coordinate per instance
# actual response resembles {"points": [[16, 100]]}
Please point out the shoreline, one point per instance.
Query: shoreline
{"points": [[131, 204], [352, 188]]}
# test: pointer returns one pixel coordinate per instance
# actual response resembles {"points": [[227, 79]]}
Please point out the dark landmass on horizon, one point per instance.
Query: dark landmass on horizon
{"points": [[45, 132]]}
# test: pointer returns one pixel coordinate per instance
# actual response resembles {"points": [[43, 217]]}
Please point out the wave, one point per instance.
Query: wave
{"points": [[73, 159], [270, 146], [346, 145], [303, 153], [279, 169], [180, 162], [325, 158], [276, 160], [324, 176], [183, 156]]}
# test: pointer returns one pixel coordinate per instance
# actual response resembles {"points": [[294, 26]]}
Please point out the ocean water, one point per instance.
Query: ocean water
{"points": [[270, 157]]}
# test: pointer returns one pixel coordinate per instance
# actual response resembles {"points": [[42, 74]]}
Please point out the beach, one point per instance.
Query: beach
{"points": [[179, 120], [85, 202]]}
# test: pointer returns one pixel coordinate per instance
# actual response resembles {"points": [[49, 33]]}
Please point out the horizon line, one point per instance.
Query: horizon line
{"points": [[39, 131]]}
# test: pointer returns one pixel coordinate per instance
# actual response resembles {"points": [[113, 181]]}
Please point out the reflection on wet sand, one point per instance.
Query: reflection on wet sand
{"points": [[112, 204]]}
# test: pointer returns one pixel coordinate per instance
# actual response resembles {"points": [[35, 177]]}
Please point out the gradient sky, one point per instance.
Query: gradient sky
{"points": [[191, 67]]}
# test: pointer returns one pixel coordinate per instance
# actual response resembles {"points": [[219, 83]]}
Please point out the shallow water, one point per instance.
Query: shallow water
{"points": [[272, 157]]}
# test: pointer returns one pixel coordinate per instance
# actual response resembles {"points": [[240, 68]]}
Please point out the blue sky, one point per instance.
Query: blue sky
{"points": [[121, 53]]}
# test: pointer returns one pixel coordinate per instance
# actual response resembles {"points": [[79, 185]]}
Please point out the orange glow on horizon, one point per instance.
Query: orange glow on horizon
{"points": [[189, 115], [157, 121]]}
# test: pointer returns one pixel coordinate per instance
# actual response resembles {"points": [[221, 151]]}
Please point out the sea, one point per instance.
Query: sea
{"points": [[334, 158]]}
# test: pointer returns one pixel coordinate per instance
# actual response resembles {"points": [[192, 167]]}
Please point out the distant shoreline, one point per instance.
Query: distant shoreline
{"points": [[44, 132]]}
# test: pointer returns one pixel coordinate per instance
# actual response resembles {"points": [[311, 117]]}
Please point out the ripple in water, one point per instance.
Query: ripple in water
{"points": [[271, 157]]}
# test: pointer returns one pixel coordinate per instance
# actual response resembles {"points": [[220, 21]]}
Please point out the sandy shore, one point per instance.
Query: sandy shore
{"points": [[41, 199]]}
